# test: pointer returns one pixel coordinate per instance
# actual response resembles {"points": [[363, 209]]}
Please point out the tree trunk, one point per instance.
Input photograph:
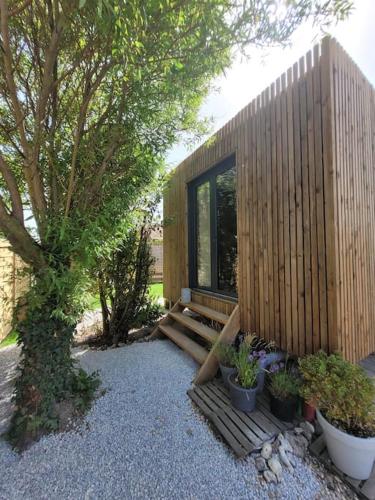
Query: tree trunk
{"points": [[105, 311], [47, 373]]}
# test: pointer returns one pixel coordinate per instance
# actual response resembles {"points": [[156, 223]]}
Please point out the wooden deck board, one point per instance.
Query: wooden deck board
{"points": [[365, 489], [204, 331], [207, 312], [243, 432], [195, 350]]}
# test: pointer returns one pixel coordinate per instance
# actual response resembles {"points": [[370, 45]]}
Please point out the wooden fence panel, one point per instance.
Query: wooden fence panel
{"points": [[11, 286]]}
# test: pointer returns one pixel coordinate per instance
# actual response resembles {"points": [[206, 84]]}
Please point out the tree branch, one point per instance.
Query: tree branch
{"points": [[32, 176], [11, 183], [90, 90], [18, 10], [21, 241]]}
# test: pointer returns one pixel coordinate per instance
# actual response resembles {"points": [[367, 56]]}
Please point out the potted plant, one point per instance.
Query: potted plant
{"points": [[243, 384], [225, 354], [344, 398], [284, 383], [266, 354]]}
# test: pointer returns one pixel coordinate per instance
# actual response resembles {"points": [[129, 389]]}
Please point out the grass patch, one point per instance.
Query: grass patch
{"points": [[10, 339], [94, 303], [156, 290]]}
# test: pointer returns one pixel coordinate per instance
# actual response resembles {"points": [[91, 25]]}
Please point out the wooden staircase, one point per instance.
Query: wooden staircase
{"points": [[184, 325]]}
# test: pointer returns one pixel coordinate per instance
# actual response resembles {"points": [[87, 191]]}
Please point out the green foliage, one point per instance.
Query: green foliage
{"points": [[46, 375], [84, 387], [247, 371], [124, 280], [10, 339], [156, 291], [225, 353], [341, 390], [284, 383]]}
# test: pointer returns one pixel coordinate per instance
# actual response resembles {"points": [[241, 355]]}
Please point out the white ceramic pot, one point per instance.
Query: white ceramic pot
{"points": [[352, 455], [185, 295]]}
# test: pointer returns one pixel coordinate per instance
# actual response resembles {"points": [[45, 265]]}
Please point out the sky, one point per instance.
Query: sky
{"points": [[246, 79]]}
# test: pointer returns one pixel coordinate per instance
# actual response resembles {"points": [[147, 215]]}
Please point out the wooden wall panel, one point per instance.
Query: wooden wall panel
{"points": [[354, 140], [305, 207]]}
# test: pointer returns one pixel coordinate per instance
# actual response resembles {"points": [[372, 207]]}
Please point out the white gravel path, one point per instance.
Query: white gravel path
{"points": [[142, 439]]}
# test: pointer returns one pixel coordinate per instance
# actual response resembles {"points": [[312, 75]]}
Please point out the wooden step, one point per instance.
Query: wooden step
{"points": [[204, 331], [195, 350], [207, 312]]}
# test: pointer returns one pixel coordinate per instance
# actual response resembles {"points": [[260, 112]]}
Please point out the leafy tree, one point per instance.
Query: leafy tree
{"points": [[124, 276], [92, 93]]}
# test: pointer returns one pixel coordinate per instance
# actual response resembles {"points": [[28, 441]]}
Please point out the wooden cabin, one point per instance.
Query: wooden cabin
{"points": [[271, 223]]}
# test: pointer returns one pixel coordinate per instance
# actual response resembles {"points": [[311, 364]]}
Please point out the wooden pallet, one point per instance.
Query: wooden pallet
{"points": [[243, 432], [364, 489]]}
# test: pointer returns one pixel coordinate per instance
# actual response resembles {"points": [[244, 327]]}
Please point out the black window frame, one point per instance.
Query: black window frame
{"points": [[210, 175]]}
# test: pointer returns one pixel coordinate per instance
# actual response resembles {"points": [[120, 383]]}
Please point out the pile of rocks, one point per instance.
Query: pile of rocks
{"points": [[279, 454]]}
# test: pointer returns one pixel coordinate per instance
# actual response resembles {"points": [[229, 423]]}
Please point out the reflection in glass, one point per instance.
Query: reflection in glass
{"points": [[203, 235], [226, 230]]}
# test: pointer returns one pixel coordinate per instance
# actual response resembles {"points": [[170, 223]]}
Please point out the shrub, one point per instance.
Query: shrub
{"points": [[247, 368], [225, 354], [341, 390], [284, 381], [124, 280], [258, 344]]}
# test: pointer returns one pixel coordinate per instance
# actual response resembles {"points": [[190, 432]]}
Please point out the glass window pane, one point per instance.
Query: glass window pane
{"points": [[226, 231], [203, 235]]}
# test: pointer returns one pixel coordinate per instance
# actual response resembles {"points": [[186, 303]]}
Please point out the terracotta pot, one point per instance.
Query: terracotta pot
{"points": [[309, 412]]}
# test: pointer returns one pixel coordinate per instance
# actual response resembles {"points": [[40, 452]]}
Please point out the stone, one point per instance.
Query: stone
{"points": [[284, 458], [260, 464], [284, 442], [269, 476], [331, 484], [275, 446], [275, 466], [266, 452], [308, 426], [299, 444], [291, 459], [298, 431], [307, 430]]}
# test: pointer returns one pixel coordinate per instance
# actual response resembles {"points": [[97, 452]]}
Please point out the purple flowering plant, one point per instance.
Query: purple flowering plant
{"points": [[257, 355], [284, 380]]}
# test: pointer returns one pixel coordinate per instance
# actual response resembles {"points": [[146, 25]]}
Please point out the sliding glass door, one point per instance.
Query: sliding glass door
{"points": [[213, 229]]}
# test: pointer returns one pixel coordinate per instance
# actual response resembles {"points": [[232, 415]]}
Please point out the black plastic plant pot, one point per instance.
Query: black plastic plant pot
{"points": [[284, 409], [226, 371], [241, 398]]}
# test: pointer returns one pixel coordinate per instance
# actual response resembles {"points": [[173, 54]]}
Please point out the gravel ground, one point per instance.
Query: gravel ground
{"points": [[142, 439]]}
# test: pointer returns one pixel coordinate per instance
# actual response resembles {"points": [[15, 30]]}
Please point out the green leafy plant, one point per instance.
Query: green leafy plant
{"points": [[247, 370], [284, 381], [341, 391], [124, 280], [226, 354]]}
